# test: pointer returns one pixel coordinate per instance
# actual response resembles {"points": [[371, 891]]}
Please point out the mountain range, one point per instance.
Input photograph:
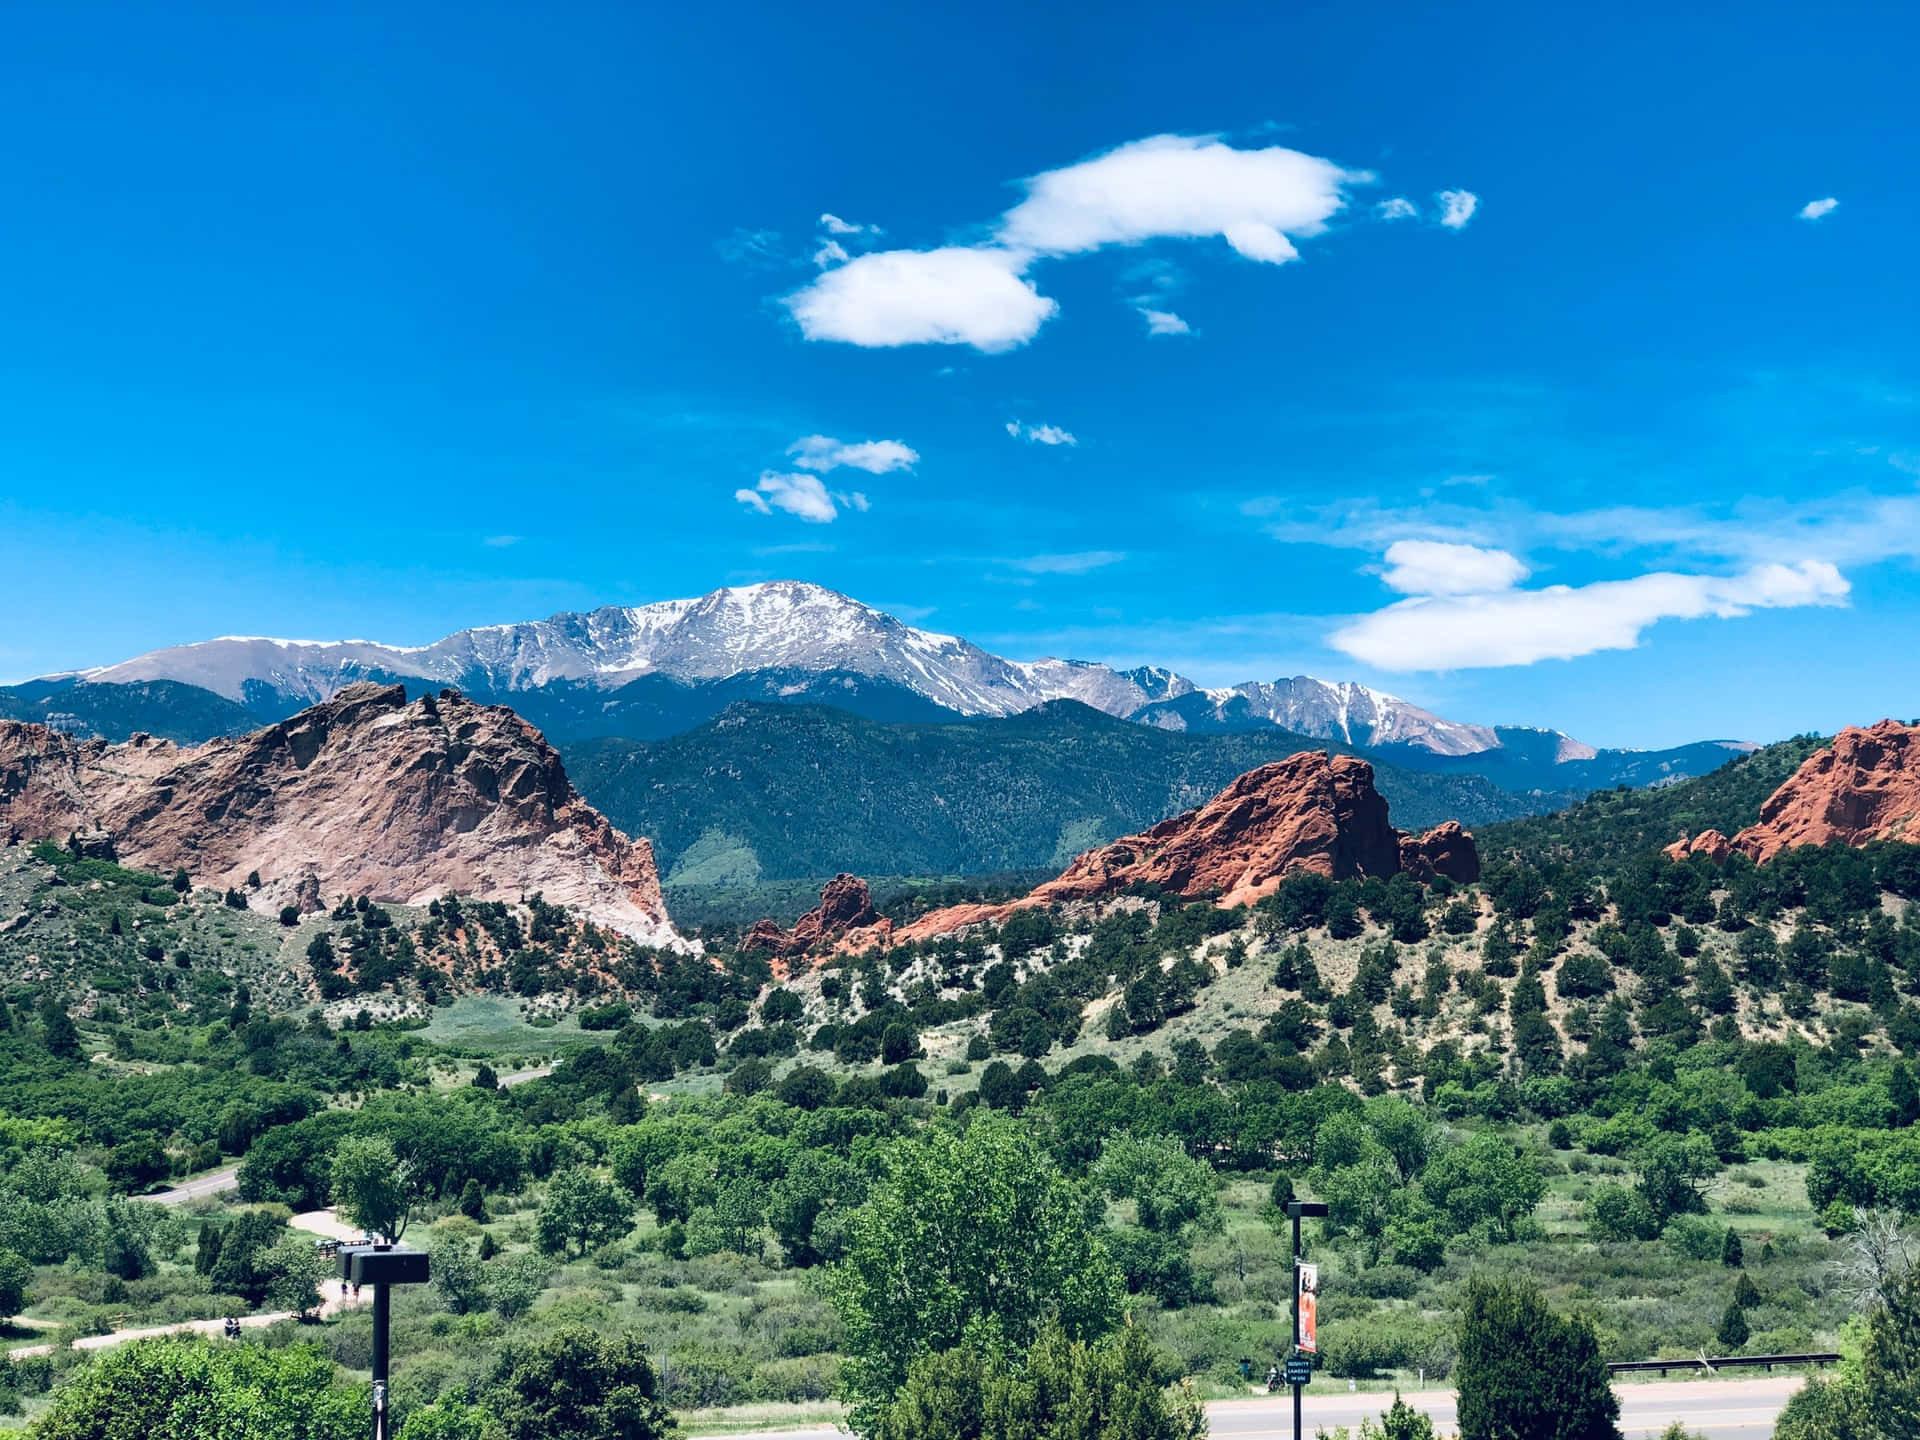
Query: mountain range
{"points": [[767, 792], [651, 671]]}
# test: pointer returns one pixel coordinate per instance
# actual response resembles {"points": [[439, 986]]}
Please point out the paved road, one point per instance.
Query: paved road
{"points": [[1717, 1409], [211, 1184]]}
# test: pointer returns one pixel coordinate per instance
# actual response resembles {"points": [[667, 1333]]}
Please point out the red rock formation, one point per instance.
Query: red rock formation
{"points": [[1866, 786], [1311, 811], [844, 920], [363, 794], [1710, 843], [1446, 850]]}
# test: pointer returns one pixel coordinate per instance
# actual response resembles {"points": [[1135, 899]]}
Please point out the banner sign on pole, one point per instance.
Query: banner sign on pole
{"points": [[1307, 1284]]}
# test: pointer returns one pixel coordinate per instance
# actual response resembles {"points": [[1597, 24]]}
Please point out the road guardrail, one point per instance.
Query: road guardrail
{"points": [[1721, 1362]]}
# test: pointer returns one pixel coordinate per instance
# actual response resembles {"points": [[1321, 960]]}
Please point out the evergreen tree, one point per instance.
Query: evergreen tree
{"points": [[1904, 1095], [1525, 1373], [1890, 1361], [1746, 1294], [1733, 1328], [57, 1032], [207, 1252], [1733, 1254]]}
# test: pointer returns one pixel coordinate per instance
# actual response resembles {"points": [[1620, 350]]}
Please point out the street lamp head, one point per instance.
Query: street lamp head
{"points": [[1306, 1209], [383, 1265]]}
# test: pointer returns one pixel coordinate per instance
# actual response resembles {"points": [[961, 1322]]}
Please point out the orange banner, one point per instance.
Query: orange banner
{"points": [[1306, 1279]]}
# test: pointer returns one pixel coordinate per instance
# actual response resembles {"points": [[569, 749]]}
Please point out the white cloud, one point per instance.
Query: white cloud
{"points": [[1559, 622], [801, 495], [1814, 209], [1164, 322], [1457, 207], [876, 457], [1432, 567], [831, 253], [958, 295], [1398, 208], [834, 225], [1164, 187], [1041, 434], [1179, 186], [1078, 563]]}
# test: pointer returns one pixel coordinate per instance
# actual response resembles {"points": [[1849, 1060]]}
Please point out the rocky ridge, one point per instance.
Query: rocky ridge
{"points": [[1864, 787], [843, 920], [1311, 811], [363, 794]]}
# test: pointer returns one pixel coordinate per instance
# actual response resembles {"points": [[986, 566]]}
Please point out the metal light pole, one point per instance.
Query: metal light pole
{"points": [[381, 1266], [1299, 1367]]}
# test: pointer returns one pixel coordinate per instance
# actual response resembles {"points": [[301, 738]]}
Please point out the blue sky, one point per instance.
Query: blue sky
{"points": [[391, 320]]}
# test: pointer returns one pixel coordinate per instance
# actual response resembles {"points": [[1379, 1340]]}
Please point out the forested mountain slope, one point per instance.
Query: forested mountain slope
{"points": [[772, 791], [1610, 827]]}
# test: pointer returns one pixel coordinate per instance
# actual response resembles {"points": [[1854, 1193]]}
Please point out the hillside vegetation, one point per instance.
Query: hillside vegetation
{"points": [[1679, 1098], [1610, 827], [767, 792]]}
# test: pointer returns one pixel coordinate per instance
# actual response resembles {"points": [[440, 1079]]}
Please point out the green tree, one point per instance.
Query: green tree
{"points": [[640, 1149], [1525, 1373], [15, 1275], [577, 1385], [370, 1185], [136, 1162], [1061, 1389], [241, 1268], [1890, 1361], [1674, 1170], [1617, 1213], [1734, 1331], [1733, 1254], [808, 1206], [1486, 1181], [1171, 1191], [515, 1285], [57, 1032], [458, 1274], [293, 1269], [197, 1390], [974, 1236], [448, 1419], [581, 1210]]}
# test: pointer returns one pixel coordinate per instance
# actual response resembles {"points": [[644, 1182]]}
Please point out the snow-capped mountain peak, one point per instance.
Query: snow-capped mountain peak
{"points": [[786, 626]]}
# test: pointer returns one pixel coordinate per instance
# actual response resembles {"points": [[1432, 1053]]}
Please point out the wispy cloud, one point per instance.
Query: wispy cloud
{"points": [[1041, 434], [755, 249], [1851, 528], [1077, 563], [876, 457], [1815, 209], [834, 225], [1457, 208], [1164, 322], [1398, 208], [1260, 202], [500, 542]]}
